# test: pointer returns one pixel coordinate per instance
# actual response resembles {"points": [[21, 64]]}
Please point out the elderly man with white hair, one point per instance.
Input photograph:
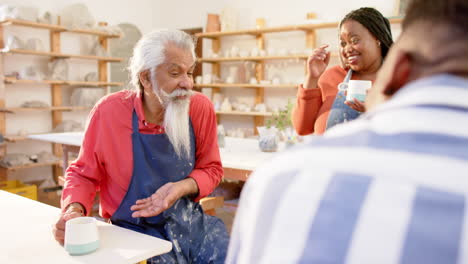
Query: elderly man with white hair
{"points": [[153, 154]]}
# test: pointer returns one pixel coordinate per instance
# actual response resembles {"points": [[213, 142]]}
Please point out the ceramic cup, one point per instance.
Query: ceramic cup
{"points": [[81, 236], [358, 89]]}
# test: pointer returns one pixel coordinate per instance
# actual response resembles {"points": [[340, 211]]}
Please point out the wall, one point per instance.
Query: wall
{"points": [[151, 14]]}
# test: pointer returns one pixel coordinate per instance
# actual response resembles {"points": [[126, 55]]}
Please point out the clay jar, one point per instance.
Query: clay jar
{"points": [[213, 23]]}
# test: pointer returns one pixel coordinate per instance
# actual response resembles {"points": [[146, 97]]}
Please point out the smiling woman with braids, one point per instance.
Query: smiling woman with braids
{"points": [[365, 38]]}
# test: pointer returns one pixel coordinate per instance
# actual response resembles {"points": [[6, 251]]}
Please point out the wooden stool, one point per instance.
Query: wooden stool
{"points": [[209, 204]]}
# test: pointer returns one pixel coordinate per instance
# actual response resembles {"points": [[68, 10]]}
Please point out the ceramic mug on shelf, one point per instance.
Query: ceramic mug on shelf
{"points": [[81, 235]]}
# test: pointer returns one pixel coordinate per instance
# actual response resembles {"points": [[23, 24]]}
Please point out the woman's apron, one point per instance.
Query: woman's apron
{"points": [[195, 236], [339, 112]]}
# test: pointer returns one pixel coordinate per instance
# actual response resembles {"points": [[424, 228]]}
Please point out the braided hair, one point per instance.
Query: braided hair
{"points": [[376, 23]]}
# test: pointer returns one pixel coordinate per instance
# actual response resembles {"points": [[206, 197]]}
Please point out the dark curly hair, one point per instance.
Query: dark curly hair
{"points": [[376, 23]]}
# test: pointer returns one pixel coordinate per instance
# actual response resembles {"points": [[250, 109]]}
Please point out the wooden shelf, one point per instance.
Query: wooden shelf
{"points": [[31, 165], [14, 138], [93, 32], [96, 84], [239, 113], [258, 58], [255, 32], [61, 55], [13, 80], [53, 108], [25, 23], [246, 85]]}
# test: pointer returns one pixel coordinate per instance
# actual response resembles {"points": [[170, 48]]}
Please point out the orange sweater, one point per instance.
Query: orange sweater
{"points": [[310, 114]]}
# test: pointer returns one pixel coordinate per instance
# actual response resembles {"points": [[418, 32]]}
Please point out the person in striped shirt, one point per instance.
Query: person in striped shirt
{"points": [[389, 187]]}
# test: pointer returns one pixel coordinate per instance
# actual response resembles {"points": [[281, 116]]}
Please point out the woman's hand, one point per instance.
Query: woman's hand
{"points": [[316, 65], [356, 105]]}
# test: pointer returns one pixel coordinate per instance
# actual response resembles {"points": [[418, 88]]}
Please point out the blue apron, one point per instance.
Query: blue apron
{"points": [[340, 112], [195, 236]]}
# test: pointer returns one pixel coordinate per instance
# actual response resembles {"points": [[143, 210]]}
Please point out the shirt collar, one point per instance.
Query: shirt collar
{"points": [[138, 106], [442, 90]]}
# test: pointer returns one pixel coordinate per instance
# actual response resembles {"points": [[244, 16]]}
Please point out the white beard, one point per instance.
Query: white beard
{"points": [[176, 120]]}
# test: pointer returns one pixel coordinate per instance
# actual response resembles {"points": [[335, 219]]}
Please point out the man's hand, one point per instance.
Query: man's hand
{"points": [[356, 105], [74, 210], [164, 198]]}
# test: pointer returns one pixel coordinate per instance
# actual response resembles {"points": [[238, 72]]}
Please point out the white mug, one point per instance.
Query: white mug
{"points": [[81, 236], [357, 89]]}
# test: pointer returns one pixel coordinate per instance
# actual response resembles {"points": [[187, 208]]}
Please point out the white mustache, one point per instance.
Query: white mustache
{"points": [[180, 92]]}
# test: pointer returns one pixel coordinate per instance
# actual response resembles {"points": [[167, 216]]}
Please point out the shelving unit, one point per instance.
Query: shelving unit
{"points": [[32, 165], [57, 55], [240, 113], [310, 31], [11, 80], [245, 85], [57, 107]]}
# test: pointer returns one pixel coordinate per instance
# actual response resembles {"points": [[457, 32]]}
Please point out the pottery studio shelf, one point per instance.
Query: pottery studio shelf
{"points": [[62, 55], [57, 108], [52, 108], [12, 80], [240, 113], [58, 28], [245, 85], [17, 138], [256, 32], [30, 165], [257, 58]]}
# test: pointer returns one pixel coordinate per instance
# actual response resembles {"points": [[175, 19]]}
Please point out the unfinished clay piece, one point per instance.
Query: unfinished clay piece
{"points": [[76, 16], [18, 12], [98, 50], [86, 96], [8, 11], [58, 70], [91, 77], [14, 42], [34, 104], [68, 126], [34, 44], [123, 48], [226, 105], [46, 157], [31, 73], [48, 18], [15, 159], [116, 30]]}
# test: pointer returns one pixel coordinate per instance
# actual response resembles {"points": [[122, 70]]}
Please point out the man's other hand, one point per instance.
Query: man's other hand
{"points": [[74, 210], [164, 198]]}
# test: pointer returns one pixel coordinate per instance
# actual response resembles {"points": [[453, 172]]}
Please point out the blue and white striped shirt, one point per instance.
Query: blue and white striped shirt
{"points": [[389, 187]]}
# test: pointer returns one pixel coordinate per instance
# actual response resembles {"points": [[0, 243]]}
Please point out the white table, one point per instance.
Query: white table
{"points": [[240, 156], [26, 237]]}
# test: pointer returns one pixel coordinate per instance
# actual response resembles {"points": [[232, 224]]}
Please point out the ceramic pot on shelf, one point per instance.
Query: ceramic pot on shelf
{"points": [[213, 23]]}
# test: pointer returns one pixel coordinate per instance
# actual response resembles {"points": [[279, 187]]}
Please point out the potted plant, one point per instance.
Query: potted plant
{"points": [[279, 123]]}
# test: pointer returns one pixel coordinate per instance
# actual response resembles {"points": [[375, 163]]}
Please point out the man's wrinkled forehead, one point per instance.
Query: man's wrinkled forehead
{"points": [[178, 58]]}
